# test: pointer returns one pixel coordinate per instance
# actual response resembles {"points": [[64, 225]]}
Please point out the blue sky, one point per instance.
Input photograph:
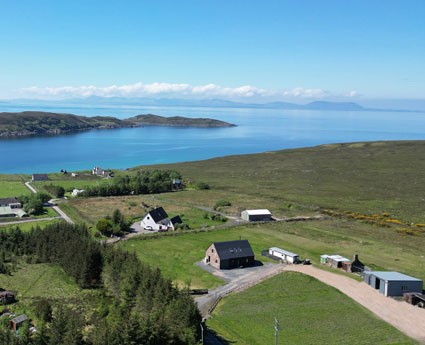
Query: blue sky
{"points": [[235, 49]]}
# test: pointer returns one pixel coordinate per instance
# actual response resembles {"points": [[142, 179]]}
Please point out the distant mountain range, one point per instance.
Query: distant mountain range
{"points": [[213, 103]]}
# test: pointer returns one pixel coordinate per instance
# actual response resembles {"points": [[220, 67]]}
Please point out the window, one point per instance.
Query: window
{"points": [[404, 288]]}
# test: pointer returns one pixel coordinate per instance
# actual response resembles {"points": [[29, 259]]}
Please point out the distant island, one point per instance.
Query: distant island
{"points": [[35, 123]]}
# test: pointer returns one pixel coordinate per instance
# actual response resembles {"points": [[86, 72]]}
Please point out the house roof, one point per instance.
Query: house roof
{"points": [[158, 214], [19, 319], [39, 176], [393, 276], [233, 249], [258, 212], [7, 201], [176, 220], [338, 258], [6, 293], [283, 251]]}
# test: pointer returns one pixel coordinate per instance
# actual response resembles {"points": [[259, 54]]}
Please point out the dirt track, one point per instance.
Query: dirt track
{"points": [[403, 316]]}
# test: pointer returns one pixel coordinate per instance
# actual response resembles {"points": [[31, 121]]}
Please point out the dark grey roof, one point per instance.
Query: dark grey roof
{"points": [[39, 176], [158, 214], [20, 319], [176, 220], [233, 249], [7, 201]]}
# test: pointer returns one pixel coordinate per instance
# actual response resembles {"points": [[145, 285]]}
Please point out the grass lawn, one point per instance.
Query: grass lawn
{"points": [[69, 183], [35, 281], [40, 280], [10, 189], [27, 225], [379, 248], [309, 312]]}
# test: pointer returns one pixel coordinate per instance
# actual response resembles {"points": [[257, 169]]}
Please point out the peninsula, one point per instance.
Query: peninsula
{"points": [[35, 123]]}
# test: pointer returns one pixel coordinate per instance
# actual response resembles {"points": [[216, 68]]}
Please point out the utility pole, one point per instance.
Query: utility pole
{"points": [[276, 331]]}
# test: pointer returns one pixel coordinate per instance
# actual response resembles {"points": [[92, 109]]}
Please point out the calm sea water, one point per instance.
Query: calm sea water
{"points": [[257, 130]]}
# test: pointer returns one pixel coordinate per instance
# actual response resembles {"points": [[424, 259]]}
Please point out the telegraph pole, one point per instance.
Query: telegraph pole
{"points": [[276, 331]]}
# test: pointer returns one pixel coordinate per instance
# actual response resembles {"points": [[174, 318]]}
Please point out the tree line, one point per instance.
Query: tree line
{"points": [[137, 304], [144, 182]]}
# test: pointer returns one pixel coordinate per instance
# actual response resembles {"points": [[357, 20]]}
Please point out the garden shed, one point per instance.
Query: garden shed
{"points": [[284, 255], [18, 321], [334, 261], [256, 215], [392, 283], [230, 254]]}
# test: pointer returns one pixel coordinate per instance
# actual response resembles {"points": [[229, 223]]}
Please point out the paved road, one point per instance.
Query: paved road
{"points": [[407, 318], [30, 187], [56, 208], [63, 214]]}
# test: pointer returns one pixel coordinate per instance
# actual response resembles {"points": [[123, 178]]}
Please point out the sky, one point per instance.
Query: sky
{"points": [[242, 50]]}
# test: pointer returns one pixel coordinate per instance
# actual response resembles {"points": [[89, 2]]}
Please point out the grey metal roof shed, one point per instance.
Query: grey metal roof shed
{"points": [[393, 283]]}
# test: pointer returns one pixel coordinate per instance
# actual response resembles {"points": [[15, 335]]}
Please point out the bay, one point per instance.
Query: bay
{"points": [[257, 130]]}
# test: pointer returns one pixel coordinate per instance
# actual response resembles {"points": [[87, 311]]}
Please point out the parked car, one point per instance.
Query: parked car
{"points": [[148, 228]]}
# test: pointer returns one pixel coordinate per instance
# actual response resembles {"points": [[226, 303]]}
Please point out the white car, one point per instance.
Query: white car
{"points": [[148, 228]]}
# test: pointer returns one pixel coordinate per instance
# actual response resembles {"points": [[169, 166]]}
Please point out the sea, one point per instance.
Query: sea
{"points": [[257, 130]]}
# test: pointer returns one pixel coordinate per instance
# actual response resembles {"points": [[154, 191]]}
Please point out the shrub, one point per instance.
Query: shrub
{"points": [[222, 203], [202, 186]]}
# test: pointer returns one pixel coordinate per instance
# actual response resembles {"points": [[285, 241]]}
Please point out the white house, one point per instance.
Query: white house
{"points": [[100, 172], [256, 215], [12, 202], [284, 255], [158, 220]]}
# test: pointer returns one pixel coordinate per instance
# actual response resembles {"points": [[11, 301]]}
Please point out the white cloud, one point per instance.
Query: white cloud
{"points": [[182, 90], [300, 92]]}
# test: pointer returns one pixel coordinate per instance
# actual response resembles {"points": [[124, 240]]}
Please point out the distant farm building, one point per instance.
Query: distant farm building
{"points": [[157, 219], [284, 255], [12, 202], [7, 297], [256, 215], [100, 172], [39, 177], [230, 254], [18, 321], [392, 283]]}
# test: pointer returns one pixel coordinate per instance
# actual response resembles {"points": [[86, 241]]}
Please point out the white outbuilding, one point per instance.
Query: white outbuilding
{"points": [[284, 255], [256, 215]]}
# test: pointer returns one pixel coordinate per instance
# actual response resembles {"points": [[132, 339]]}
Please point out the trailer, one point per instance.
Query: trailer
{"points": [[415, 299]]}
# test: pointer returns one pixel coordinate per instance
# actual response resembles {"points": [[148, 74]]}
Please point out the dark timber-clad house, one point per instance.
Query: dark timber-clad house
{"points": [[230, 254]]}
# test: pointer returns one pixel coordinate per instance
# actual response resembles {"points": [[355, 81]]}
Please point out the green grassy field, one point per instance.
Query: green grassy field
{"points": [[309, 312], [369, 178], [379, 248], [10, 189], [27, 225], [90, 210]]}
